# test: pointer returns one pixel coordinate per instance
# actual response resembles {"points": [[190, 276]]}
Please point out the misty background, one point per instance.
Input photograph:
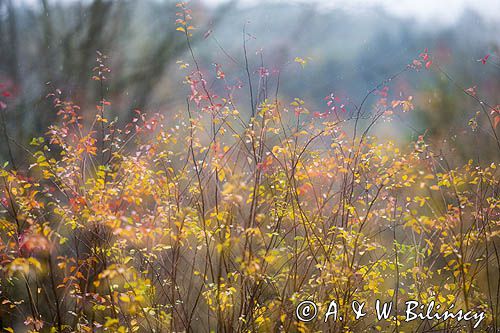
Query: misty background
{"points": [[349, 46]]}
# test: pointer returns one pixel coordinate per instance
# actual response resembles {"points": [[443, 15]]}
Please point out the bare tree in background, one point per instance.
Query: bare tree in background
{"points": [[53, 45]]}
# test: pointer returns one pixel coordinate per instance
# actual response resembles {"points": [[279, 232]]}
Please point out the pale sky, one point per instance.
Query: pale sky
{"points": [[429, 11], [445, 11]]}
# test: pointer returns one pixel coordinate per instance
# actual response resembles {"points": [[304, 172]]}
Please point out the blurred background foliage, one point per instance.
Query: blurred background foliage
{"points": [[47, 45]]}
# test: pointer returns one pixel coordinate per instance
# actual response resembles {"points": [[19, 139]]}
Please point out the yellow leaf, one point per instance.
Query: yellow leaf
{"points": [[35, 263], [124, 298], [222, 175], [111, 322]]}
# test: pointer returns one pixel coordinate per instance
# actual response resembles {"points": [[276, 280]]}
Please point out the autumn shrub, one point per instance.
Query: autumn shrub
{"points": [[213, 221]]}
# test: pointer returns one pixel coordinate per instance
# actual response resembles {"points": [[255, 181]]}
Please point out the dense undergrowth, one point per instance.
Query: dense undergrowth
{"points": [[208, 221]]}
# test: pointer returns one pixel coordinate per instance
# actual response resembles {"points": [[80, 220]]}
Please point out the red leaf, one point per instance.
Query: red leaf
{"points": [[471, 91], [28, 243]]}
